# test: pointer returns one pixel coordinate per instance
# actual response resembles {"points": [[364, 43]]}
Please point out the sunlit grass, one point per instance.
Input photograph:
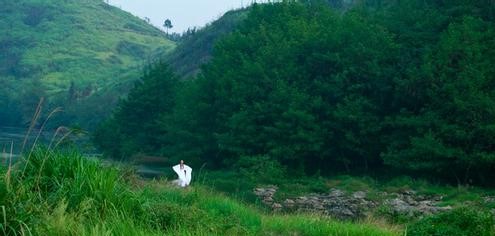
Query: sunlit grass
{"points": [[317, 225]]}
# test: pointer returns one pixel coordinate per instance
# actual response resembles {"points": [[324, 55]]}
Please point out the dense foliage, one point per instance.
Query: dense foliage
{"points": [[79, 55], [406, 85], [459, 222], [133, 127]]}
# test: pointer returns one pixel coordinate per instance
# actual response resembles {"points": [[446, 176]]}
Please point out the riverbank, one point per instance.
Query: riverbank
{"points": [[64, 193], [399, 200]]}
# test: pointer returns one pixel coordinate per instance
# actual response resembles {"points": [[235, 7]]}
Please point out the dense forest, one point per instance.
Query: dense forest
{"points": [[308, 87]]}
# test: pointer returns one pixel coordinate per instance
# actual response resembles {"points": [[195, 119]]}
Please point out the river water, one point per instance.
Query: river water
{"points": [[12, 140], [15, 137]]}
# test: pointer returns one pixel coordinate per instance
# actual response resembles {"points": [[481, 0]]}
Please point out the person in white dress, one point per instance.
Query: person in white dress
{"points": [[184, 173]]}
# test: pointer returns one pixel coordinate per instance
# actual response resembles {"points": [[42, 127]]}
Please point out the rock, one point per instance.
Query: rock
{"points": [[412, 207], [395, 195], [437, 198], [489, 199], [301, 200], [446, 208], [313, 198], [277, 206], [410, 200], [342, 213], [289, 202], [400, 206], [266, 192], [268, 199], [354, 206], [336, 193], [318, 207], [421, 198], [408, 192], [359, 195]]}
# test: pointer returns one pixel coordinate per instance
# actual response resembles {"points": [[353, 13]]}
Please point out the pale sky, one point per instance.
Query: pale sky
{"points": [[182, 13]]}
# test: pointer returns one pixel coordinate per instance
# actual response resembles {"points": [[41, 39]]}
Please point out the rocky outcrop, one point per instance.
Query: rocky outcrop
{"points": [[335, 203], [353, 205], [411, 204], [266, 194]]}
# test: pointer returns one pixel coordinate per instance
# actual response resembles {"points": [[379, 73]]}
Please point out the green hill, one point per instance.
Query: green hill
{"points": [[197, 46], [69, 51]]}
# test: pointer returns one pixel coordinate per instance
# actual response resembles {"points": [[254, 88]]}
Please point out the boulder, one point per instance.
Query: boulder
{"points": [[359, 195], [268, 199], [399, 206], [276, 206], [289, 203], [336, 193]]}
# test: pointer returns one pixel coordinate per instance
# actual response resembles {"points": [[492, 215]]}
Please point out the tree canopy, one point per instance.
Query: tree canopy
{"points": [[403, 85]]}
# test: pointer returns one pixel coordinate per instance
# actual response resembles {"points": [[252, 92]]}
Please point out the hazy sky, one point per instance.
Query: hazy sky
{"points": [[182, 13]]}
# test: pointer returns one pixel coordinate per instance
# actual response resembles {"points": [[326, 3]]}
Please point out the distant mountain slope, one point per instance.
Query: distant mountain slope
{"points": [[67, 51], [197, 47]]}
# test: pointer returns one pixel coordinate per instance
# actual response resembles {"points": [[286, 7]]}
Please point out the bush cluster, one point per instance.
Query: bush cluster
{"points": [[458, 222]]}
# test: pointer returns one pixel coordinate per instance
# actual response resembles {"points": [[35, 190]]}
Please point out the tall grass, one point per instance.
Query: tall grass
{"points": [[317, 225], [63, 193], [62, 187]]}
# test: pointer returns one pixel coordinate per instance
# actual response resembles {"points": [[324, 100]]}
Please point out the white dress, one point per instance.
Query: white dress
{"points": [[184, 175]]}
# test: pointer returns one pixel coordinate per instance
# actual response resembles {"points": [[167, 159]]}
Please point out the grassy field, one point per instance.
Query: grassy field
{"points": [[63, 193]]}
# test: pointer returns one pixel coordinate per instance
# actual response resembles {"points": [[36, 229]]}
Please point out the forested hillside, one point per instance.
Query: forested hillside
{"points": [[301, 88], [79, 55], [197, 45]]}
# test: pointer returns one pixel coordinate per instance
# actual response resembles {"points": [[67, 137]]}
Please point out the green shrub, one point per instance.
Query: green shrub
{"points": [[165, 215], [261, 168], [353, 184], [393, 216], [459, 222]]}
